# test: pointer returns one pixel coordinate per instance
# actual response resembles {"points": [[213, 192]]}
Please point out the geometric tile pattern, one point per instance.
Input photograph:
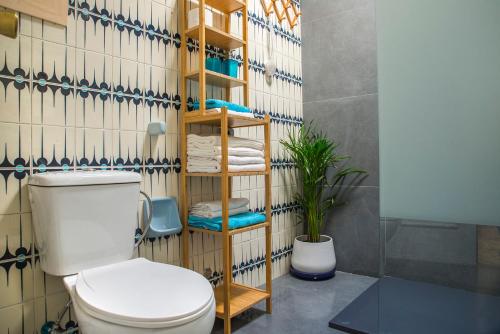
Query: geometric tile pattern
{"points": [[81, 97]]}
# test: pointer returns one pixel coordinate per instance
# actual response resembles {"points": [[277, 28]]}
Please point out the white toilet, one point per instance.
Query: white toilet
{"points": [[84, 228]]}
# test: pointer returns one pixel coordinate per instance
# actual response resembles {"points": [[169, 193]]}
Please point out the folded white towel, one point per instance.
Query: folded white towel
{"points": [[231, 168], [241, 152], [194, 160], [232, 151], [200, 146], [215, 214], [201, 153], [204, 141], [201, 139], [213, 206], [235, 160], [202, 169], [202, 161], [246, 168], [230, 112], [243, 142]]}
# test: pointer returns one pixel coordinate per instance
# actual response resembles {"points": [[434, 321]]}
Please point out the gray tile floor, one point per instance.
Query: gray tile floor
{"points": [[301, 306]]}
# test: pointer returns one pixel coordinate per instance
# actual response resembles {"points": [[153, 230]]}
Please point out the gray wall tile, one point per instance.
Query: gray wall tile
{"points": [[353, 123], [339, 55], [339, 65], [318, 9], [355, 230]]}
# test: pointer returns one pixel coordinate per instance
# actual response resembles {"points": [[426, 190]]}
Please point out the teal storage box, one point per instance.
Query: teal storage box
{"points": [[213, 64], [230, 67]]}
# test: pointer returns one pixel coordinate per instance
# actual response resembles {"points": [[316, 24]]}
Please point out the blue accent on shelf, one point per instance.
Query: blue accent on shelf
{"points": [[312, 276], [394, 305], [212, 103], [165, 219], [235, 221], [230, 67], [214, 64]]}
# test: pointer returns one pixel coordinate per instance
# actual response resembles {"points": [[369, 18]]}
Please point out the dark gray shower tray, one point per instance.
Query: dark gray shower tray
{"points": [[397, 306]]}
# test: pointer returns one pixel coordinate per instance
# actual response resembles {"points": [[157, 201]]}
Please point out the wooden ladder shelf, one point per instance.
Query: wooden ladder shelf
{"points": [[231, 298]]}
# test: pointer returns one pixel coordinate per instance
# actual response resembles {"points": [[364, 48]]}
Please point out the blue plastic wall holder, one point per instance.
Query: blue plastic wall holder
{"points": [[157, 128], [165, 220]]}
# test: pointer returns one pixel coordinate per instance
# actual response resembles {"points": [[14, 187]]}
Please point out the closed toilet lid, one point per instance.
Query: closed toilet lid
{"points": [[142, 293]]}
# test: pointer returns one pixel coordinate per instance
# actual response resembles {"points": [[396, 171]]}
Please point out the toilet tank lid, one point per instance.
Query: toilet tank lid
{"points": [[80, 178]]}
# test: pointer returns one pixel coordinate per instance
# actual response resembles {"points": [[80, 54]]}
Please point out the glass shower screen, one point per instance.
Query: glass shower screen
{"points": [[439, 89]]}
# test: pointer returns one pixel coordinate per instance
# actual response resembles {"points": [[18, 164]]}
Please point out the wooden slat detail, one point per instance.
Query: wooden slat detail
{"points": [[216, 37], [226, 6], [230, 232], [216, 79], [214, 119], [230, 174], [242, 298]]}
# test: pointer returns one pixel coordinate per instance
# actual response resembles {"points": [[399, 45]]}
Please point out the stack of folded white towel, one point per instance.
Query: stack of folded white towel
{"points": [[213, 209], [230, 112], [204, 154]]}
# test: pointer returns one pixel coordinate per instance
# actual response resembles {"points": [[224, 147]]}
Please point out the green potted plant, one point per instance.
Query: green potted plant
{"points": [[314, 154]]}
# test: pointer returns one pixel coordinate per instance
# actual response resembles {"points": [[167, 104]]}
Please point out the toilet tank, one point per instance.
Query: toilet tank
{"points": [[83, 219]]}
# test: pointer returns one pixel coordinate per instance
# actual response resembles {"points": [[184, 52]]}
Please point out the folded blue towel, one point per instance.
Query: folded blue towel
{"points": [[212, 103], [235, 221]]}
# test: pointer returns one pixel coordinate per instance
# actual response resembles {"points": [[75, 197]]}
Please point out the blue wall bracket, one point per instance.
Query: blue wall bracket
{"points": [[165, 220]]}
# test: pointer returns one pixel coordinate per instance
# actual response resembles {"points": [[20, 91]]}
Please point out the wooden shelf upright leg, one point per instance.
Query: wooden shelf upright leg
{"points": [[268, 184], [201, 38], [245, 54], [183, 183], [227, 27], [225, 223], [184, 200]]}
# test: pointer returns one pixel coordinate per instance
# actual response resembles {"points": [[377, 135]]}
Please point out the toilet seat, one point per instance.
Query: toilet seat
{"points": [[145, 294]]}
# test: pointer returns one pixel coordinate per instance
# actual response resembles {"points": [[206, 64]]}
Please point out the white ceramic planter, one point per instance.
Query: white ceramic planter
{"points": [[313, 258]]}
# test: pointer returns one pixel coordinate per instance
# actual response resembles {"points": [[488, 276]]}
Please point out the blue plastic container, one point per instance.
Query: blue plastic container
{"points": [[213, 64], [165, 219], [230, 67]]}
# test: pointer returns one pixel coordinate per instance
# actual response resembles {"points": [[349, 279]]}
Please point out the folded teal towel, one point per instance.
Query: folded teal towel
{"points": [[235, 221], [212, 103]]}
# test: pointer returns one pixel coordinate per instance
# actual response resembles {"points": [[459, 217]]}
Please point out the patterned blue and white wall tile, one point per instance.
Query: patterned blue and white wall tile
{"points": [[15, 75], [94, 31], [81, 96], [14, 167], [94, 101], [18, 318]]}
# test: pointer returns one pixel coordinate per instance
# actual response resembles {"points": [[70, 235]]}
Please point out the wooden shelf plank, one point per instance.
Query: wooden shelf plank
{"points": [[235, 121], [226, 6], [217, 79], [216, 37], [231, 232], [242, 298]]}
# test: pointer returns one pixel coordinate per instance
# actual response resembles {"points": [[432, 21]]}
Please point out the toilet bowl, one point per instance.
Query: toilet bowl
{"points": [[85, 226], [140, 296]]}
